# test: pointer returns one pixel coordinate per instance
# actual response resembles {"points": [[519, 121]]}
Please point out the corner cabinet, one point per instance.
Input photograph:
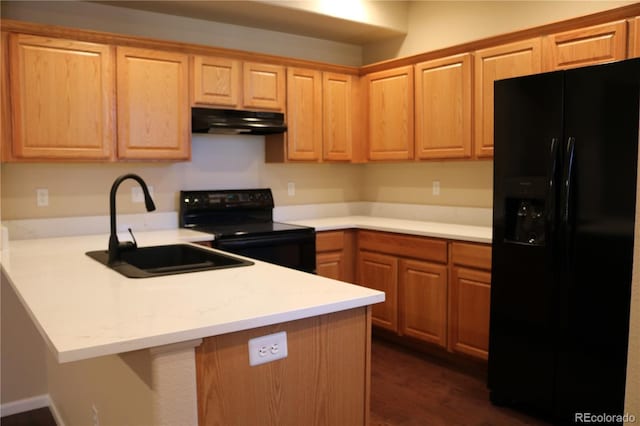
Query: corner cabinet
{"points": [[585, 46], [154, 117], [335, 251], [390, 114], [5, 118], [62, 99], [495, 63], [340, 103], [469, 299], [412, 271], [443, 108], [634, 38]]}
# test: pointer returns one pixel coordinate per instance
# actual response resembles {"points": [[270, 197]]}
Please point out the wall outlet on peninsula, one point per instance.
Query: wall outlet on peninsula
{"points": [[267, 348]]}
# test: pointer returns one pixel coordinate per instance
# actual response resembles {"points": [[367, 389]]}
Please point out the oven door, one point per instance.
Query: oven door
{"points": [[295, 250]]}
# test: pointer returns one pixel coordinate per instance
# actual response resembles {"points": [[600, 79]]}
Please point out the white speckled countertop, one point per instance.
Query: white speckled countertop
{"points": [[84, 309], [479, 234]]}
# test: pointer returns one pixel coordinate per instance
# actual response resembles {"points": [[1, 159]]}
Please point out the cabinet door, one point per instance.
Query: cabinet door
{"points": [[443, 108], [380, 272], [469, 305], [634, 38], [63, 98], [263, 86], [304, 114], [330, 264], [585, 46], [390, 97], [154, 115], [495, 63], [5, 117], [337, 107], [423, 301], [216, 81]]}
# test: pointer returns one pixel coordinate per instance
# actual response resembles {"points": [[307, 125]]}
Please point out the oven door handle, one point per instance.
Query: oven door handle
{"points": [[239, 242]]}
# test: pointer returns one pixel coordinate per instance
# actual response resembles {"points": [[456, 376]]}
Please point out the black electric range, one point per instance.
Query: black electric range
{"points": [[241, 221]]}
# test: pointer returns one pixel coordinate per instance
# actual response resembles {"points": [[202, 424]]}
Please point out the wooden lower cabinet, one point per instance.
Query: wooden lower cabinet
{"points": [[437, 291], [423, 301], [469, 299], [335, 252], [324, 380], [380, 271]]}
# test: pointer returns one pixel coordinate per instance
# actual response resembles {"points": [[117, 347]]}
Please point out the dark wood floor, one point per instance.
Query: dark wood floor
{"points": [[409, 388], [39, 417]]}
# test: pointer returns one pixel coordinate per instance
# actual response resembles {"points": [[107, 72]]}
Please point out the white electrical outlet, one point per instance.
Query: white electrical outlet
{"points": [[42, 197], [435, 187], [291, 189], [137, 196], [268, 348]]}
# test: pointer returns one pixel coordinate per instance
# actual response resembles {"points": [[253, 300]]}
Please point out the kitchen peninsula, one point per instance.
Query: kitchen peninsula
{"points": [[122, 350]]}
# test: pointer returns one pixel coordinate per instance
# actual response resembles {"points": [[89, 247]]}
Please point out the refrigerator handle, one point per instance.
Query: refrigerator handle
{"points": [[551, 181], [567, 177], [567, 183]]}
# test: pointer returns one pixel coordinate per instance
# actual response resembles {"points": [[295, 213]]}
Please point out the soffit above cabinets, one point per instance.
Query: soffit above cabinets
{"points": [[356, 22]]}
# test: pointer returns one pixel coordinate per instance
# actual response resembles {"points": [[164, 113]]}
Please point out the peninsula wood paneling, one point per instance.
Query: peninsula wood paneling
{"points": [[585, 46], [324, 380], [62, 98]]}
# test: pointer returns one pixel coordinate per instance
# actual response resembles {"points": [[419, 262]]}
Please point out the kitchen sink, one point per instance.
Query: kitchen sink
{"points": [[147, 262]]}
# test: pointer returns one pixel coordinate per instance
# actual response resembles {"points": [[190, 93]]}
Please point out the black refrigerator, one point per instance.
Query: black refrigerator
{"points": [[565, 164]]}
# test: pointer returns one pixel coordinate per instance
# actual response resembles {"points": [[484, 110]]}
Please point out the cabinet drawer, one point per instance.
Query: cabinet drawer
{"points": [[473, 255], [329, 241], [404, 245]]}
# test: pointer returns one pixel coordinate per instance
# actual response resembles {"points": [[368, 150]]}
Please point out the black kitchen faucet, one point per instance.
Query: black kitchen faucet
{"points": [[115, 246]]}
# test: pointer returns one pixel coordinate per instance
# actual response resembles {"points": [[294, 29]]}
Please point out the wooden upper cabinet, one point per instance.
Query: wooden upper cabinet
{"points": [[216, 82], [390, 129], [634, 38], [443, 108], [585, 46], [154, 115], [62, 98], [495, 63], [5, 117], [338, 104], [304, 114], [264, 86]]}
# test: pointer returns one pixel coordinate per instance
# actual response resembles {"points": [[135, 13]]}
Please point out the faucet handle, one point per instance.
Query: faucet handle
{"points": [[135, 243]]}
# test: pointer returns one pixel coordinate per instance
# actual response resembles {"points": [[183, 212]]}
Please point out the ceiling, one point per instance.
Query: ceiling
{"points": [[279, 16]]}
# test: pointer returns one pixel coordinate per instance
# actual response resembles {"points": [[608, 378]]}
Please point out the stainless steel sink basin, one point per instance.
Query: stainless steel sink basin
{"points": [[146, 262]]}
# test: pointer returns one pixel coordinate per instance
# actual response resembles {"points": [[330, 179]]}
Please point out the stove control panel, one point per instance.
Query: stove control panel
{"points": [[213, 200]]}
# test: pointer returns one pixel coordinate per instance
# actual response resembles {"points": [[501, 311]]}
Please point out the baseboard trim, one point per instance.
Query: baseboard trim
{"points": [[26, 404], [55, 413]]}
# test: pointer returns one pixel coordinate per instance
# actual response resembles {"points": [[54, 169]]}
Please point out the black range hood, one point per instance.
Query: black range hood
{"points": [[230, 121]]}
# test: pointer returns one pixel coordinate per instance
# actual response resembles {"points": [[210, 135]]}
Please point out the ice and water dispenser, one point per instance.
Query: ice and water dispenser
{"points": [[525, 205]]}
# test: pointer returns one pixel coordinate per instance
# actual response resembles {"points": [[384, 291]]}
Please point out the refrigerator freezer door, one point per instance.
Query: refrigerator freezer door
{"points": [[601, 118]]}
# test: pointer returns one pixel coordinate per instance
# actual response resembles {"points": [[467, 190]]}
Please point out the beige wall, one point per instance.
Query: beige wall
{"points": [[437, 24], [461, 183], [22, 350]]}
